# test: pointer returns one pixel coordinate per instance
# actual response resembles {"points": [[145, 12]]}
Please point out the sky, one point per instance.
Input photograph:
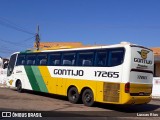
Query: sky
{"points": [[91, 22]]}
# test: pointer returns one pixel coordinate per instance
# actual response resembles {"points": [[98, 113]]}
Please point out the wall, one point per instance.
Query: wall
{"points": [[3, 75], [157, 69], [156, 87], [156, 81]]}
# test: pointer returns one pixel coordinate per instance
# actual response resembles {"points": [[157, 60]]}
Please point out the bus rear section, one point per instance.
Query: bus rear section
{"points": [[138, 86]]}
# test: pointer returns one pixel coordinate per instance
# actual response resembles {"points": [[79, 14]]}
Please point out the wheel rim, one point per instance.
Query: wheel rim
{"points": [[73, 95], [88, 97]]}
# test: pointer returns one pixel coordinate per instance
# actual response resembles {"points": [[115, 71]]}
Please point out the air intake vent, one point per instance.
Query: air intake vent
{"points": [[110, 92]]}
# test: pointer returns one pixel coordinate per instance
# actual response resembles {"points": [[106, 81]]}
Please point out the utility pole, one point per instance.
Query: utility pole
{"points": [[37, 38]]}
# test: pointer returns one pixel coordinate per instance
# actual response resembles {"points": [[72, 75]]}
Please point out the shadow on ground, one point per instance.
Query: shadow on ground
{"points": [[129, 108], [109, 107]]}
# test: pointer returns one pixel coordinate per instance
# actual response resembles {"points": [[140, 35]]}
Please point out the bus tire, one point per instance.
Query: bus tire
{"points": [[88, 97], [19, 86], [73, 95]]}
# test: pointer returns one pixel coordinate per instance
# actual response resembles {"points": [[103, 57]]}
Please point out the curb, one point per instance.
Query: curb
{"points": [[156, 97], [3, 86]]}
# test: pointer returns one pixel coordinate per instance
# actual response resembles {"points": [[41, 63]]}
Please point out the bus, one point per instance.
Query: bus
{"points": [[116, 74]]}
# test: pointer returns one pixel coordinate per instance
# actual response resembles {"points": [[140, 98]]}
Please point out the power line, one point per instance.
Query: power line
{"points": [[5, 51], [17, 44], [14, 26], [28, 39], [22, 43], [10, 42], [6, 48]]}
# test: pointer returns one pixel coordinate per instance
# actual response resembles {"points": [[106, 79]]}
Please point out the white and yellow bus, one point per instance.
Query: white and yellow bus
{"points": [[116, 74]]}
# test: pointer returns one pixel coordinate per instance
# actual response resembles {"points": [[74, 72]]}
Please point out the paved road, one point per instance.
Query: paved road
{"points": [[11, 100]]}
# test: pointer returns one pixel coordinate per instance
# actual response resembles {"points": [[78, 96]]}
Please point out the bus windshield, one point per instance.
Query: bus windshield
{"points": [[11, 64]]}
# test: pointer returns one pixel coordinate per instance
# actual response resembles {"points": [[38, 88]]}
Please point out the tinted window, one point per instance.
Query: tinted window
{"points": [[68, 59], [31, 60], [21, 60], [54, 59], [85, 58], [11, 64], [41, 59], [101, 58], [116, 57]]}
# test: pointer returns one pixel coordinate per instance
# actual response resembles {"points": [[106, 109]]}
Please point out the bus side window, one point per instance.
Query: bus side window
{"points": [[31, 59], [54, 59], [101, 58], [69, 59], [42, 59], [21, 60], [86, 63], [115, 57], [85, 59]]}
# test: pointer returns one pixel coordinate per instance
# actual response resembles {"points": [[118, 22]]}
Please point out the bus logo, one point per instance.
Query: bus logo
{"points": [[10, 82], [143, 53]]}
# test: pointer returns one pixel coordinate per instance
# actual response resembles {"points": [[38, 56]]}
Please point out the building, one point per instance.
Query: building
{"points": [[3, 70], [156, 79], [49, 45], [156, 61]]}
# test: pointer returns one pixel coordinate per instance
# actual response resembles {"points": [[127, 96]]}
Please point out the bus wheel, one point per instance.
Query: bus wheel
{"points": [[73, 95], [88, 97], [19, 86]]}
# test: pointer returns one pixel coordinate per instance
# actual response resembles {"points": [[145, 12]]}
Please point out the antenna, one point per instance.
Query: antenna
{"points": [[37, 38]]}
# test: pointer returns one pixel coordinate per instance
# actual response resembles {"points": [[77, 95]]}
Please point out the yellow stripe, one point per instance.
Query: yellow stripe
{"points": [[49, 81]]}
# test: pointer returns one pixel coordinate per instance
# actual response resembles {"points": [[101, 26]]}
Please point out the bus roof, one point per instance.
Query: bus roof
{"points": [[70, 48]]}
